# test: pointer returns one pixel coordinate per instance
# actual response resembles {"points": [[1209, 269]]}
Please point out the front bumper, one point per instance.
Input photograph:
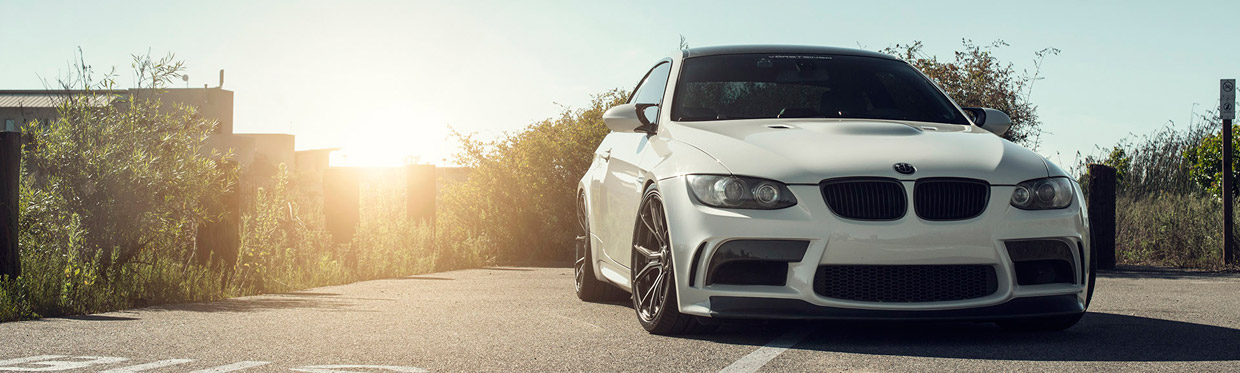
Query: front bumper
{"points": [[762, 308], [697, 232]]}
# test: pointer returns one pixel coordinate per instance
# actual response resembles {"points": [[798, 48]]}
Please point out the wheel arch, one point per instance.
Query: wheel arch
{"points": [[584, 198]]}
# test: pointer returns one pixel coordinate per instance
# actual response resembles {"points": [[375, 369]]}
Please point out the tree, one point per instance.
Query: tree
{"points": [[976, 78]]}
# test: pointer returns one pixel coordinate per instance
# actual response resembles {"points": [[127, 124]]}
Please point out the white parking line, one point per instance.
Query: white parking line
{"points": [[23, 360], [47, 365], [336, 368], [755, 360], [233, 367], [148, 366]]}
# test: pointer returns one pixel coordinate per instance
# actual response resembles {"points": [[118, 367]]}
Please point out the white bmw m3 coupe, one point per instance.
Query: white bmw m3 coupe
{"points": [[789, 182]]}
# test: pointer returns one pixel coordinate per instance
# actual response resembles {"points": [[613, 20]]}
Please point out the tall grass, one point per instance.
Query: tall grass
{"points": [[284, 247], [387, 243], [113, 195], [1169, 230], [1165, 215]]}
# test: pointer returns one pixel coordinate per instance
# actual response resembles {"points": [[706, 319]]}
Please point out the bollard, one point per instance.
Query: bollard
{"points": [[10, 165], [420, 193], [341, 201], [1102, 214]]}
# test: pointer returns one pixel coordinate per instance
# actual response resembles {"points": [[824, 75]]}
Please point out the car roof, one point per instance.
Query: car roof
{"points": [[806, 49]]}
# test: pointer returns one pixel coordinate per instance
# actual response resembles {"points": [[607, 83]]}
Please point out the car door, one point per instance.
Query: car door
{"points": [[624, 179]]}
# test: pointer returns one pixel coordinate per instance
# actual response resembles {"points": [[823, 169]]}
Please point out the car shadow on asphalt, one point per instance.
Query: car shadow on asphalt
{"points": [[1098, 337], [422, 278], [1137, 272]]}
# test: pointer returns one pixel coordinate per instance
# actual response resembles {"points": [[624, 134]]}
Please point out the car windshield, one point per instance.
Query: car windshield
{"points": [[748, 86]]}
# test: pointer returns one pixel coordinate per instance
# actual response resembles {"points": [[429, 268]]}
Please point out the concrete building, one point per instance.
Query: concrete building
{"points": [[18, 107], [310, 167], [257, 155]]}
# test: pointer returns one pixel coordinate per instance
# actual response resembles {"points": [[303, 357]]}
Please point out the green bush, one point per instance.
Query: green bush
{"points": [[1205, 160], [112, 196], [110, 200], [521, 195]]}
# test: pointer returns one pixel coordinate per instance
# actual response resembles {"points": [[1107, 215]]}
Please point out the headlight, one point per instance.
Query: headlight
{"points": [[740, 192], [1043, 194]]}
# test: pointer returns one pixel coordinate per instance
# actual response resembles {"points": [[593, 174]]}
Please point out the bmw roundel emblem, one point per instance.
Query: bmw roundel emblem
{"points": [[904, 168]]}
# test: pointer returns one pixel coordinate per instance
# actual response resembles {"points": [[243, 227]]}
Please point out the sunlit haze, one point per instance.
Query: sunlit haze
{"points": [[388, 80]]}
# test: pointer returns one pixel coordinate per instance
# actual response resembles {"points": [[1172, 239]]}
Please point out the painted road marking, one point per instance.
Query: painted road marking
{"points": [[51, 363], [47, 365], [755, 360], [148, 366], [336, 368], [233, 367], [23, 360]]}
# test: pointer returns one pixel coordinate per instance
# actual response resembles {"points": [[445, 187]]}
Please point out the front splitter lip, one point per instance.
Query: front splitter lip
{"points": [[729, 307]]}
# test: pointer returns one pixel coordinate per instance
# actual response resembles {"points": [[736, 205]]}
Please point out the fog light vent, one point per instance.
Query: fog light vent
{"points": [[754, 262], [1040, 262]]}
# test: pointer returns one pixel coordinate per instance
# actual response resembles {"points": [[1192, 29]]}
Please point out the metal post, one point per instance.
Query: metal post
{"points": [[1228, 215], [10, 164], [1227, 111]]}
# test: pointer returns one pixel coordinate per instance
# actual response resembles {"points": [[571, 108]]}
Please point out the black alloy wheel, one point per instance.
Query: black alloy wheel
{"points": [[653, 276]]}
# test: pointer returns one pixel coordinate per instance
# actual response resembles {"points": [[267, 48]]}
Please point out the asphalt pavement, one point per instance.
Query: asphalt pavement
{"points": [[528, 319]]}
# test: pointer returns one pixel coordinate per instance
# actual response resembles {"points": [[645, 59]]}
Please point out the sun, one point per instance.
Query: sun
{"points": [[393, 146], [393, 136]]}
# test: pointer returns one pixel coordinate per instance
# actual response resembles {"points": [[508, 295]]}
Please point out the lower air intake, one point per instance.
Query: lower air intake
{"points": [[905, 283]]}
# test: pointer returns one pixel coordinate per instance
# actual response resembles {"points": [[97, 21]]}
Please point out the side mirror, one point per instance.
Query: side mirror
{"points": [[997, 122], [628, 118]]}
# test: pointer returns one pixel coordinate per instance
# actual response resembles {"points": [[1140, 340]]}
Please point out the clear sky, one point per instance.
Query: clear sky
{"points": [[385, 79]]}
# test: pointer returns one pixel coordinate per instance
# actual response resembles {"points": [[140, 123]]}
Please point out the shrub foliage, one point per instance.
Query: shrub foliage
{"points": [[520, 194], [113, 192]]}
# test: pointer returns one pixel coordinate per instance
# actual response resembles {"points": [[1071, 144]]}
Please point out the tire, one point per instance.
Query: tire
{"points": [[1093, 274], [653, 276], [589, 288], [1057, 323]]}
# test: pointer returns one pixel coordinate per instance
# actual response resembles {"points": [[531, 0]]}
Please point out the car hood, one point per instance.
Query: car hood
{"points": [[811, 150]]}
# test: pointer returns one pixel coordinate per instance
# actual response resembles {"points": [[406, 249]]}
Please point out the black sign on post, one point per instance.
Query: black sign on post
{"points": [[1227, 111]]}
